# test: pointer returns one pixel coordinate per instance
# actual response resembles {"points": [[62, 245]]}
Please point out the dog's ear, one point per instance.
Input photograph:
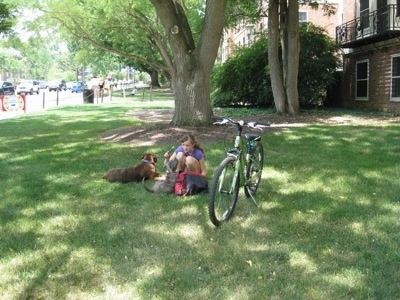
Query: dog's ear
{"points": [[155, 158]]}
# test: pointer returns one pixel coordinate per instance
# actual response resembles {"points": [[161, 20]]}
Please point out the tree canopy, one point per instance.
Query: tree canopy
{"points": [[7, 18], [165, 36], [179, 39]]}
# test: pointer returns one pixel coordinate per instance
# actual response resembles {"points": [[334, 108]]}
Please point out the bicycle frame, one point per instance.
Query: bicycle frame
{"points": [[241, 161], [241, 167], [238, 167]]}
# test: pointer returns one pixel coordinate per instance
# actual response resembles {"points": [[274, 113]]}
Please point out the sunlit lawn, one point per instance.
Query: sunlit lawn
{"points": [[328, 226]]}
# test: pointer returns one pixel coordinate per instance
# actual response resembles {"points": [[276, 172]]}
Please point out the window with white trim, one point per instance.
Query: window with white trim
{"points": [[395, 81], [303, 16], [362, 79]]}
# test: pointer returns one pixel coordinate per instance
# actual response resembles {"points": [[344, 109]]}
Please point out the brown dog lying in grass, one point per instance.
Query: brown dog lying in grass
{"points": [[145, 170]]}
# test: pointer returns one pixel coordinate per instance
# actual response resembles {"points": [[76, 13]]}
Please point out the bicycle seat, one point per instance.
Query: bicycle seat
{"points": [[250, 136]]}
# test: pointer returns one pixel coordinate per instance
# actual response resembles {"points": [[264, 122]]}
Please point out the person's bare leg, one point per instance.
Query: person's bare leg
{"points": [[192, 164], [181, 157]]}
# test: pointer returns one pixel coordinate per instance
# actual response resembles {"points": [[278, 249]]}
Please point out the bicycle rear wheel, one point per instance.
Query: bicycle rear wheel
{"points": [[254, 171], [224, 191]]}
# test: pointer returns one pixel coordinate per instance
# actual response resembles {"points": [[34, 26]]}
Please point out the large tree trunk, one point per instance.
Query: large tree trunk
{"points": [[154, 78], [192, 64], [283, 25], [192, 92], [293, 57], [273, 56]]}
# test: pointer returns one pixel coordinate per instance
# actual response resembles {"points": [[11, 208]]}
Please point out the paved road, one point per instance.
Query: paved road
{"points": [[46, 99]]}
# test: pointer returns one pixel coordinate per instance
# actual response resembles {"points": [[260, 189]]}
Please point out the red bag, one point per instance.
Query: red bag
{"points": [[190, 183]]}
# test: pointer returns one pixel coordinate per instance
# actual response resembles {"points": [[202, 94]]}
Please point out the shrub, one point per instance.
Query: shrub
{"points": [[245, 80], [318, 65]]}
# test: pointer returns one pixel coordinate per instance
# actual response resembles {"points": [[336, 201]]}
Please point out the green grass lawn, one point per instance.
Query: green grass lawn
{"points": [[328, 226]]}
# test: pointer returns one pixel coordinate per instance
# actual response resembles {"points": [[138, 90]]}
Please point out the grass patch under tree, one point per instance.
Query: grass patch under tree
{"points": [[328, 226]]}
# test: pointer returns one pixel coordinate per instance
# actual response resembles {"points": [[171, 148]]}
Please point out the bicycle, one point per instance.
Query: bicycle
{"points": [[224, 188]]}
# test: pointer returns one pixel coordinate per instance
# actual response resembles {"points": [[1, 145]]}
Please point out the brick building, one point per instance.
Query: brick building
{"points": [[371, 60], [244, 34]]}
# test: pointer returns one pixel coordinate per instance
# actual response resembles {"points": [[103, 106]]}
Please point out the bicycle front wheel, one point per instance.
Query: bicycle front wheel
{"points": [[254, 171], [224, 191]]}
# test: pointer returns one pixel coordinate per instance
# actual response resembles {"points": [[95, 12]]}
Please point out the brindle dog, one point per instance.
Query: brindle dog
{"points": [[166, 185], [145, 170]]}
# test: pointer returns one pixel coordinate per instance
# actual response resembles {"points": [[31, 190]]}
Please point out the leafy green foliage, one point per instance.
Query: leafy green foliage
{"points": [[318, 62], [243, 11], [244, 79], [8, 62], [7, 18], [127, 29]]}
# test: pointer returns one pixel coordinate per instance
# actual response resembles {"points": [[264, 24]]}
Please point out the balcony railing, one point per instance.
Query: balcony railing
{"points": [[381, 24]]}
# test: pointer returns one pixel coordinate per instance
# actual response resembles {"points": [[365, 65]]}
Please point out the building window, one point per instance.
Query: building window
{"points": [[303, 16], [364, 14], [395, 84], [249, 31], [362, 78], [398, 8]]}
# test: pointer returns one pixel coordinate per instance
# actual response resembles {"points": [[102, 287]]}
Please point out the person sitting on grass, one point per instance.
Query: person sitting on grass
{"points": [[190, 156]]}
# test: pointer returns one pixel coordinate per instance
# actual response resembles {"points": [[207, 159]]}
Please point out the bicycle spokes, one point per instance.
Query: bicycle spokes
{"points": [[253, 172], [223, 192], [225, 185]]}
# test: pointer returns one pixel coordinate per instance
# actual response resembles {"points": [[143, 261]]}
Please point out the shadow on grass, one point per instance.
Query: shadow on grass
{"points": [[327, 227]]}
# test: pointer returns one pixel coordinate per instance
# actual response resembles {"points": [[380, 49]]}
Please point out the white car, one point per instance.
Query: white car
{"points": [[28, 87], [57, 85], [43, 84]]}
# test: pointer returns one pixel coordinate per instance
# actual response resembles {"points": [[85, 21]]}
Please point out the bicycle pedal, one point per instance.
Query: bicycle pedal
{"points": [[251, 187]]}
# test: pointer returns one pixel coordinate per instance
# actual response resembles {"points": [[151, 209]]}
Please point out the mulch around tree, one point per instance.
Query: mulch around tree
{"points": [[159, 131]]}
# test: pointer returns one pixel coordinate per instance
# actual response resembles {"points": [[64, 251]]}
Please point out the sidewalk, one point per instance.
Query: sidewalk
{"points": [[35, 103], [10, 114]]}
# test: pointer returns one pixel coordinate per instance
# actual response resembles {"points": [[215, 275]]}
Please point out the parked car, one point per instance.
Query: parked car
{"points": [[57, 85], [43, 84], [6, 88], [77, 87], [28, 87]]}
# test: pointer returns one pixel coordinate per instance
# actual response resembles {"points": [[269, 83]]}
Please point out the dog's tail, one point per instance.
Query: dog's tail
{"points": [[144, 185]]}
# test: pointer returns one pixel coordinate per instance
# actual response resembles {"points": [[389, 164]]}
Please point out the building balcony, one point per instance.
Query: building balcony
{"points": [[377, 26]]}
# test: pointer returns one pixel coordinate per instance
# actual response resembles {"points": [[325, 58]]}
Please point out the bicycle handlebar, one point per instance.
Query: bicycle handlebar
{"points": [[241, 123]]}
